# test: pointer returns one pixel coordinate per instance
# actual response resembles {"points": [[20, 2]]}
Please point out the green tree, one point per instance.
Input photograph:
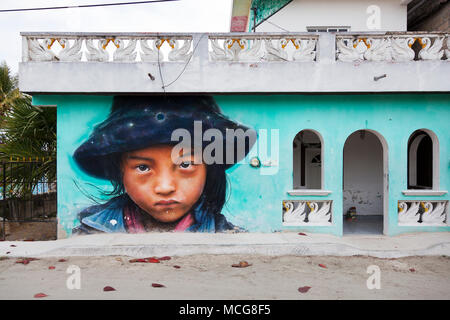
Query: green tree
{"points": [[9, 92], [27, 132]]}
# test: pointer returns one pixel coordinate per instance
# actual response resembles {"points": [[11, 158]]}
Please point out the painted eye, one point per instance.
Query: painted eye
{"points": [[185, 165], [142, 168]]}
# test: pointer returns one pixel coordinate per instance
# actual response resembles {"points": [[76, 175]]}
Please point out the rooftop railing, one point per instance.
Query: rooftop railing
{"points": [[243, 47], [235, 62]]}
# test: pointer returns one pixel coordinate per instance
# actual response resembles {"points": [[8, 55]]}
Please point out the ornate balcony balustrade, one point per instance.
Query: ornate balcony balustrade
{"points": [[395, 47], [234, 62], [251, 48], [423, 213], [230, 47], [107, 48], [307, 213]]}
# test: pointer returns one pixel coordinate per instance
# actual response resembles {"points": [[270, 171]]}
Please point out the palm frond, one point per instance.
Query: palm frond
{"points": [[26, 133]]}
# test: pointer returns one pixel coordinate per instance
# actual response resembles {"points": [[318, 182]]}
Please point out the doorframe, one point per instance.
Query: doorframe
{"points": [[385, 149]]}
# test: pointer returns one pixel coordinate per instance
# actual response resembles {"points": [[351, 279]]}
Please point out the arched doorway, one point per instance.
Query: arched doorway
{"points": [[365, 182]]}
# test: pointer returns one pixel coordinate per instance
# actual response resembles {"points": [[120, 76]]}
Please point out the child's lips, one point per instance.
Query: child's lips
{"points": [[166, 203]]}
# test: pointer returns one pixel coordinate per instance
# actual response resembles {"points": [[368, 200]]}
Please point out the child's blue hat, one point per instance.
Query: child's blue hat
{"points": [[137, 122]]}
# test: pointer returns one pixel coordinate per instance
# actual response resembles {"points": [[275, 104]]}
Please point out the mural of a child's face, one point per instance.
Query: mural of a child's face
{"points": [[164, 189]]}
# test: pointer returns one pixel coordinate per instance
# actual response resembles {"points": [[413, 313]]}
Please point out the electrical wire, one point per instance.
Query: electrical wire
{"points": [[160, 74], [185, 66], [277, 26], [85, 6]]}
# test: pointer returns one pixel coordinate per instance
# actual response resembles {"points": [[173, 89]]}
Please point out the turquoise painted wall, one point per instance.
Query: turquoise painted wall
{"points": [[255, 200]]}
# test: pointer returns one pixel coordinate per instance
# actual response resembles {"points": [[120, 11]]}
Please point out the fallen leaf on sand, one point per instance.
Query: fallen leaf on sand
{"points": [[304, 289], [157, 285], [108, 288], [51, 267], [119, 259], [145, 260], [412, 270], [164, 258], [301, 234], [13, 245], [177, 267], [40, 295], [26, 260], [62, 260], [242, 264], [322, 266], [8, 252], [137, 260]]}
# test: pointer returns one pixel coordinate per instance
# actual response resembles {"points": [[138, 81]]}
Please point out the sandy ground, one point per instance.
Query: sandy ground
{"points": [[212, 277]]}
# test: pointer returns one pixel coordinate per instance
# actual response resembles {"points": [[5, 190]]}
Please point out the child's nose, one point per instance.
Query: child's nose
{"points": [[165, 184]]}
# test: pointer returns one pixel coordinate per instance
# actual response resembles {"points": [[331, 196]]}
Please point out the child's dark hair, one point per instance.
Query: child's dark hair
{"points": [[212, 198]]}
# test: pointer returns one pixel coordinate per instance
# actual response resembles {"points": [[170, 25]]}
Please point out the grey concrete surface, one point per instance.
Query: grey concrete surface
{"points": [[274, 244]]}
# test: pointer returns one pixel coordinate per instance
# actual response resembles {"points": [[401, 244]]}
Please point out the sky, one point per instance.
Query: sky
{"points": [[176, 16]]}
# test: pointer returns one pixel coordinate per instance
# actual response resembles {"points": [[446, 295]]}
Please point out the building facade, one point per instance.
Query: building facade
{"points": [[346, 122]]}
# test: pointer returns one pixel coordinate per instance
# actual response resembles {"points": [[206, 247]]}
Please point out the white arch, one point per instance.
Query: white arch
{"points": [[385, 148]]}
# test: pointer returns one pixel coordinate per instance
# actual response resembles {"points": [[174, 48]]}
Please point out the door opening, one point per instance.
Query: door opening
{"points": [[364, 183]]}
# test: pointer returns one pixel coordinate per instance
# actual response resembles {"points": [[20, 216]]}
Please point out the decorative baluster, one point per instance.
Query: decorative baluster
{"points": [[378, 49], [125, 53], [220, 53], [277, 53], [180, 53], [408, 215], [150, 54], [293, 214], [434, 214], [97, 54], [431, 52], [251, 51], [348, 51], [401, 49], [39, 52], [305, 50], [71, 53], [321, 215]]}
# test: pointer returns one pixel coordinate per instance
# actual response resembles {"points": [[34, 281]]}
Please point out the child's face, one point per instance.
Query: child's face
{"points": [[164, 189]]}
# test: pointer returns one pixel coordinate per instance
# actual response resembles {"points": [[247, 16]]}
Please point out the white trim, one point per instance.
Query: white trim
{"points": [[424, 192], [309, 192]]}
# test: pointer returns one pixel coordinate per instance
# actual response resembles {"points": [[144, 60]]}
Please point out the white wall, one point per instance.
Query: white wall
{"points": [[363, 174], [299, 14]]}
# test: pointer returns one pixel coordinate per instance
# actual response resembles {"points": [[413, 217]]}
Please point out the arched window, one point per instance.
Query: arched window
{"points": [[308, 160], [423, 160]]}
